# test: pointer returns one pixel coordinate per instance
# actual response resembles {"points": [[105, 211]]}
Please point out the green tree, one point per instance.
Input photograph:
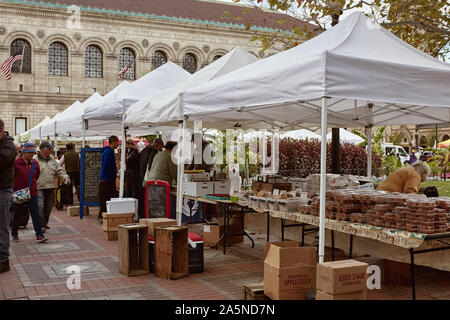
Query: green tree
{"points": [[396, 138], [424, 24], [377, 138]]}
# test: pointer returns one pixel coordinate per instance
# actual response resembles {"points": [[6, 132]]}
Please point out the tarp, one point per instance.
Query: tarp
{"points": [[354, 62], [155, 109], [107, 117], [346, 136]]}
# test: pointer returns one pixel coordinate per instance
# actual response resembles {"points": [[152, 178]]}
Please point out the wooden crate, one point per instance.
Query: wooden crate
{"points": [[254, 291], [111, 221], [171, 252], [133, 249], [110, 235], [74, 211]]}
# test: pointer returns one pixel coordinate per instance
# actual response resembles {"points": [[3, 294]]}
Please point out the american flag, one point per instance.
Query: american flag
{"points": [[7, 65], [125, 69]]}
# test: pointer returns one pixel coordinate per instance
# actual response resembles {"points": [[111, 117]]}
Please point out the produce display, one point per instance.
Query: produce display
{"points": [[410, 212]]}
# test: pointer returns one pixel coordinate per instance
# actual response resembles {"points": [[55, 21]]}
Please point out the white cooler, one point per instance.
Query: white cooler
{"points": [[198, 189], [124, 205], [222, 187]]}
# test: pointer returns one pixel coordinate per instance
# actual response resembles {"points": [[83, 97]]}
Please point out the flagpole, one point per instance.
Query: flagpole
{"points": [[21, 62]]}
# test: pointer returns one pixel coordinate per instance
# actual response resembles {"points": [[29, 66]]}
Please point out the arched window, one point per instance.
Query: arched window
{"points": [[57, 59], [217, 57], [125, 57], [190, 63], [24, 66], [445, 138], [158, 59], [93, 62]]}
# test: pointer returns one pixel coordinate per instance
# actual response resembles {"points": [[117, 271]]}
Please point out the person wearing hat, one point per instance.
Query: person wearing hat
{"points": [[145, 163], [49, 168], [7, 158], [27, 173]]}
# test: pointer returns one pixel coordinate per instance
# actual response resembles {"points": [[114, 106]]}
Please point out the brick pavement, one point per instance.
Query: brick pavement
{"points": [[39, 270]]}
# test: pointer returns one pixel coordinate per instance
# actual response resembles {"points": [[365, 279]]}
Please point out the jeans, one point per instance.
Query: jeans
{"points": [[74, 181], [107, 190], [45, 204], [5, 204], [33, 207]]}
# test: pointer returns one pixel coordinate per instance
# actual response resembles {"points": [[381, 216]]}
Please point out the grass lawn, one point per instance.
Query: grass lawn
{"points": [[443, 187]]}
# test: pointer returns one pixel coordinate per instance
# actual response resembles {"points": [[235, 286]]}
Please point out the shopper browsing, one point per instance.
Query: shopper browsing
{"points": [[108, 175], [26, 175]]}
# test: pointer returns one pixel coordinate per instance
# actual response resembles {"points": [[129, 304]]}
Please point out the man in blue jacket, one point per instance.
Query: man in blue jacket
{"points": [[108, 174]]}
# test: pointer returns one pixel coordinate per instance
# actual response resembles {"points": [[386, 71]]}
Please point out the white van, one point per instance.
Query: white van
{"points": [[390, 148]]}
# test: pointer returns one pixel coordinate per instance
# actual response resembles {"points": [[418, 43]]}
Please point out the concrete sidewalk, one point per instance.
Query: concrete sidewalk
{"points": [[39, 270]]}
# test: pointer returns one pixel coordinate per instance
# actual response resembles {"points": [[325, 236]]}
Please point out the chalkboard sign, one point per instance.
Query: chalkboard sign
{"points": [[157, 199], [91, 161]]}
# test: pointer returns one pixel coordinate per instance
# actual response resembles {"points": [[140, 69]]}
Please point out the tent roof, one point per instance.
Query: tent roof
{"points": [[154, 109], [353, 63], [48, 129], [347, 136], [107, 117], [96, 111]]}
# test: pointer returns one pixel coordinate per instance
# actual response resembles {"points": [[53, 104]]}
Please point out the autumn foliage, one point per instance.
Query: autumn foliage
{"points": [[300, 158]]}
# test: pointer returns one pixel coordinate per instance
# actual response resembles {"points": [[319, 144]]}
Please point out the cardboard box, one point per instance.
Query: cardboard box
{"points": [[74, 211], [361, 295], [341, 277], [289, 270], [212, 234], [111, 221], [198, 189], [157, 223]]}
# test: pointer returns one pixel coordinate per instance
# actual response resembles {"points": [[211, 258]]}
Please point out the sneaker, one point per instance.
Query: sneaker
{"points": [[43, 230], [15, 238], [4, 266], [100, 220], [41, 238], [47, 227]]}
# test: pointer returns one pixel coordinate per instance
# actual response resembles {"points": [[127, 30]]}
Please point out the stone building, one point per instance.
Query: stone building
{"points": [[71, 52]]}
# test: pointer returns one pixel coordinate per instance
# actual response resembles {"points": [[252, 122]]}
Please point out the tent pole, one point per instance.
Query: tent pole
{"points": [[83, 124], [122, 157], [369, 151], [369, 143], [323, 172], [56, 142], [182, 127]]}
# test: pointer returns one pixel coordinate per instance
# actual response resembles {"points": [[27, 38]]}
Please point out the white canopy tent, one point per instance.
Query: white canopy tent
{"points": [[35, 131], [107, 116], [301, 134], [347, 136], [156, 108], [355, 74]]}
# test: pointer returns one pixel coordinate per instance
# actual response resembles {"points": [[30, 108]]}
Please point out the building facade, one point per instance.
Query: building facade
{"points": [[71, 52]]}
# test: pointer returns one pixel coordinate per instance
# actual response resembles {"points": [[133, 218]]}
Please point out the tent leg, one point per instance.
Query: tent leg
{"points": [[323, 172], [83, 123], [56, 143], [182, 127], [369, 151], [122, 157]]}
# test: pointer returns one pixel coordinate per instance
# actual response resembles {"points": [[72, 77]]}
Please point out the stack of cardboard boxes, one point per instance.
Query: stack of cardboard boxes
{"points": [[342, 280], [289, 270]]}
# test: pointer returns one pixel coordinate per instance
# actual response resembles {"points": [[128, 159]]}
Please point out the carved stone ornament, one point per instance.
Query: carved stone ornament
{"points": [[176, 45], [145, 43], [206, 48], [261, 54], [77, 36], [40, 34], [112, 40], [2, 30]]}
